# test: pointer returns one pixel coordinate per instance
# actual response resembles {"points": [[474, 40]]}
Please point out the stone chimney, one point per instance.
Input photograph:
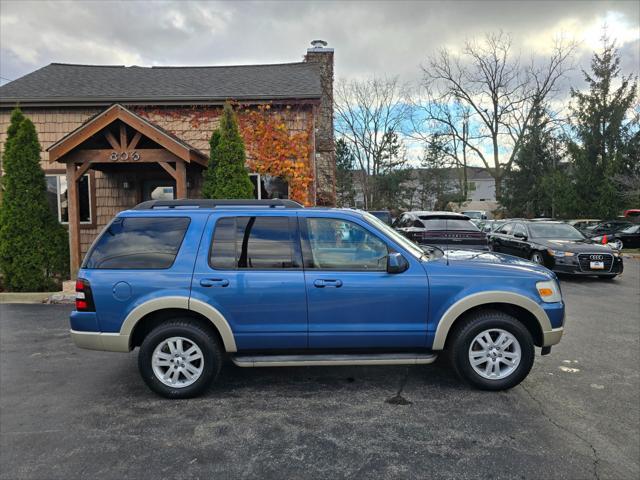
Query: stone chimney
{"points": [[325, 151]]}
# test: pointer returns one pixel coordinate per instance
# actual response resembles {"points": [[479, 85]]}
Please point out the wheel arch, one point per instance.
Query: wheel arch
{"points": [[524, 309], [144, 317]]}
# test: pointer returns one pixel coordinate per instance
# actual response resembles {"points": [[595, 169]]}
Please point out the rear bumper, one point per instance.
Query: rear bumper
{"points": [[110, 342]]}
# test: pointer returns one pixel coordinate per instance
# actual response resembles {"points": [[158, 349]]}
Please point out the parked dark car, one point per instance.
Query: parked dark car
{"points": [[626, 238], [557, 246], [383, 215], [583, 223], [446, 230], [607, 228]]}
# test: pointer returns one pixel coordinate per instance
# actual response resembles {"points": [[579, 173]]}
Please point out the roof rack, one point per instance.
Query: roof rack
{"points": [[199, 203]]}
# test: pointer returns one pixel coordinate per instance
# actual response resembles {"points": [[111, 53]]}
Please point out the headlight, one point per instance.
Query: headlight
{"points": [[559, 253], [549, 291]]}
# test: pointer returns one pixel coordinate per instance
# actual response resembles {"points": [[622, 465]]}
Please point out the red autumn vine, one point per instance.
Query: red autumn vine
{"points": [[275, 150], [272, 148]]}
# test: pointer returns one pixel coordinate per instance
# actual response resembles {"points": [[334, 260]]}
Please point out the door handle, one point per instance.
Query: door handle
{"points": [[321, 283], [214, 282]]}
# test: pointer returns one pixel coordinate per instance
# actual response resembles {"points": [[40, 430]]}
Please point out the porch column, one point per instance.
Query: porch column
{"points": [[73, 209], [181, 179]]}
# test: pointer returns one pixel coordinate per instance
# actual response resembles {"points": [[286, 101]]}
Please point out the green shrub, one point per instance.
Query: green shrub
{"points": [[227, 176], [34, 252]]}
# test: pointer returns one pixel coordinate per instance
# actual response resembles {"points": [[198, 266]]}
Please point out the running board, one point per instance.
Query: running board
{"points": [[315, 360]]}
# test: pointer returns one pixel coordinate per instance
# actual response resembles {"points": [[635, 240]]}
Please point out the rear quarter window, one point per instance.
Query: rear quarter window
{"points": [[138, 243]]}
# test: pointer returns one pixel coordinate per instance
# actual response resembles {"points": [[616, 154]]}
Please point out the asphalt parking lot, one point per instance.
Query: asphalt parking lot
{"points": [[73, 414]]}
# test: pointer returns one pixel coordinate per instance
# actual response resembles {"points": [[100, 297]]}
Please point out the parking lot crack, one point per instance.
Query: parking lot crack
{"points": [[596, 457], [398, 399]]}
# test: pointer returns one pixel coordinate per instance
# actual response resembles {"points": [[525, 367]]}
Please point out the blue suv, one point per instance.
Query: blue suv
{"points": [[270, 283]]}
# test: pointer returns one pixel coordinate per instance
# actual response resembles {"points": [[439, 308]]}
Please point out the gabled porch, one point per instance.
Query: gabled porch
{"points": [[138, 160]]}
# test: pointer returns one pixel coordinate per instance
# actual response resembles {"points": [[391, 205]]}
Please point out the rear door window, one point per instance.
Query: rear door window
{"points": [[506, 228], [138, 243], [259, 243], [519, 228]]}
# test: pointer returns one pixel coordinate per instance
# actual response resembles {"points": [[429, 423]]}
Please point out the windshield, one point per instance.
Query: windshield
{"points": [[632, 229], [476, 215], [405, 242], [559, 231]]}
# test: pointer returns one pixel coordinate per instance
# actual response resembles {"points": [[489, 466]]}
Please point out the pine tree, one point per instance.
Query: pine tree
{"points": [[229, 176], [209, 175], [604, 132], [33, 245], [527, 190]]}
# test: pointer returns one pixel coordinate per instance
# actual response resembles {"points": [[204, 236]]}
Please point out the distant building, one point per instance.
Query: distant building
{"points": [[418, 189]]}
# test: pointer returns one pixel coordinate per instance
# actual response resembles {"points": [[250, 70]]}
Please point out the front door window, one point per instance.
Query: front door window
{"points": [[342, 245]]}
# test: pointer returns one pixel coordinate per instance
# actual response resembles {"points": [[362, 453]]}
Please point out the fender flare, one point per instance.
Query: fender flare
{"points": [[482, 298], [184, 303]]}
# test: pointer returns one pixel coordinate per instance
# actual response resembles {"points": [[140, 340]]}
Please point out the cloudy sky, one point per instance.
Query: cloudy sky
{"points": [[382, 38]]}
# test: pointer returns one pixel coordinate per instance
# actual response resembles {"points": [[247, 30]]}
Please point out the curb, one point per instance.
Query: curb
{"points": [[25, 297]]}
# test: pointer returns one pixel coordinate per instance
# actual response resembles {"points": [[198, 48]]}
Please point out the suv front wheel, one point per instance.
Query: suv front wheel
{"points": [[492, 350], [179, 359]]}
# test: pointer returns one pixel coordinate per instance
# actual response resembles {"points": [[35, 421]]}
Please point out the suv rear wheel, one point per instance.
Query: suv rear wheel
{"points": [[492, 350], [179, 359]]}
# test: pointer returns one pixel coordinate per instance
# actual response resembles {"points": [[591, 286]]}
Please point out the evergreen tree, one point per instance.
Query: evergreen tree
{"points": [[229, 178], [209, 176], [33, 245], [527, 190], [345, 162], [604, 134]]}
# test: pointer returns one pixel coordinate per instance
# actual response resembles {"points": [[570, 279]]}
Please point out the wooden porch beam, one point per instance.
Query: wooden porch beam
{"points": [[82, 170], [84, 132], [123, 137], [181, 180], [105, 156], [169, 169], [134, 141], [73, 209], [112, 140]]}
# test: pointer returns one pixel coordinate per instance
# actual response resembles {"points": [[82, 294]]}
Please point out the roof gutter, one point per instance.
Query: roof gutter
{"points": [[105, 101]]}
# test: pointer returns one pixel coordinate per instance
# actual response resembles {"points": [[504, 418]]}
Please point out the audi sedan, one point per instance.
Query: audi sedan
{"points": [[557, 246]]}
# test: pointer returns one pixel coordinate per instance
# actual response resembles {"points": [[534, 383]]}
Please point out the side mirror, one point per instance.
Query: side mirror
{"points": [[396, 263], [520, 235]]}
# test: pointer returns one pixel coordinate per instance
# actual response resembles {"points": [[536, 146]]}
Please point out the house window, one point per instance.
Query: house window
{"points": [[57, 196], [268, 187]]}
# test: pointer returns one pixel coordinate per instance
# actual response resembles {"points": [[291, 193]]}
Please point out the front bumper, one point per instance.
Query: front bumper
{"points": [[552, 337], [110, 342], [571, 266]]}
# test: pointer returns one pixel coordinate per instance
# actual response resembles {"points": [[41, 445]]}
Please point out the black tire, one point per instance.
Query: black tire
{"points": [[537, 257], [204, 339], [607, 277], [475, 324]]}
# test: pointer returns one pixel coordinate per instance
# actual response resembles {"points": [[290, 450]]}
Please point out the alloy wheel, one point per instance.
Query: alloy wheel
{"points": [[494, 354], [177, 362]]}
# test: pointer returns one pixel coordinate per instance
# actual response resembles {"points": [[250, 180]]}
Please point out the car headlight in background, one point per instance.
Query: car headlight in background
{"points": [[549, 291], [559, 253]]}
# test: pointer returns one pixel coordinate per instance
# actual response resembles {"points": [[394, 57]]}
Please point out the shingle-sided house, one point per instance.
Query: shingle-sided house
{"points": [[113, 136]]}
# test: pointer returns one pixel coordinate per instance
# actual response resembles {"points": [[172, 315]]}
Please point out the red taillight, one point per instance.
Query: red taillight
{"points": [[84, 297]]}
